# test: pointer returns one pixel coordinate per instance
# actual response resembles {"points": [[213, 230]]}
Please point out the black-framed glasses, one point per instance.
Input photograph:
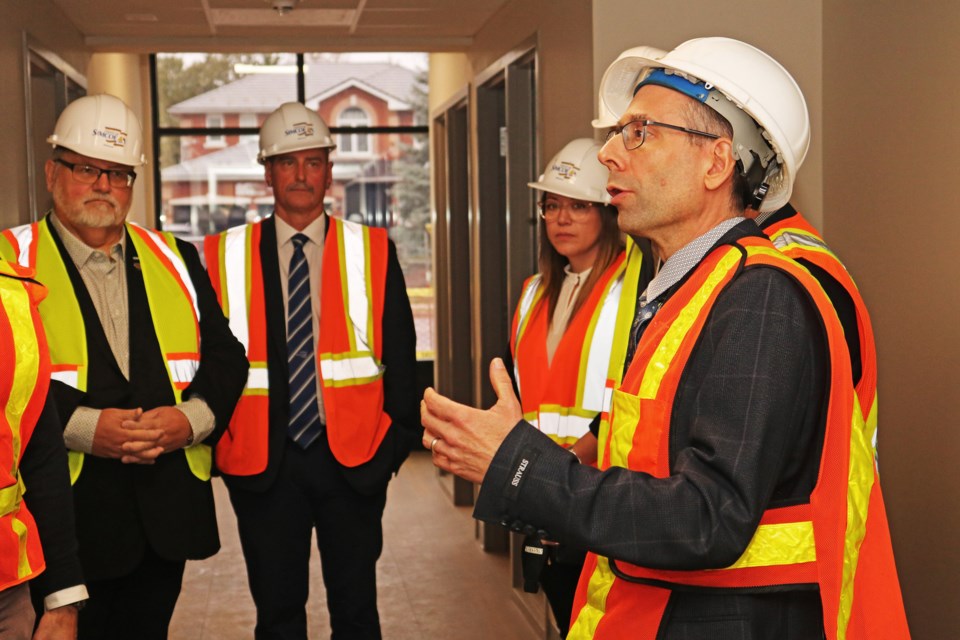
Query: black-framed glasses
{"points": [[88, 174], [634, 133], [578, 209]]}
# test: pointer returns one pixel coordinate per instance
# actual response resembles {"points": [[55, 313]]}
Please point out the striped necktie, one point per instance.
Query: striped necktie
{"points": [[304, 425], [644, 313]]}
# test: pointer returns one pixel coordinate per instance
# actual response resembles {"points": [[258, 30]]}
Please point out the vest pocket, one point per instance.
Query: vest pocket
{"points": [[639, 427]]}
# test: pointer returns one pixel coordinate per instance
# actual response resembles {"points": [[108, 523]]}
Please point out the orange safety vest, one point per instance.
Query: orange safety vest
{"points": [[24, 380], [621, 336], [814, 543], [349, 348], [563, 396], [173, 308], [796, 237]]}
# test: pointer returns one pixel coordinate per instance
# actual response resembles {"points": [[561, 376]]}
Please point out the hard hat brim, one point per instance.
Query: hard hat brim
{"points": [[567, 193], [619, 81], [262, 156]]}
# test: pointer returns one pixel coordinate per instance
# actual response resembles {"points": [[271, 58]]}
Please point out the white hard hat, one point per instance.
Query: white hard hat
{"points": [[293, 127], [753, 83], [576, 172], [605, 117], [103, 127]]}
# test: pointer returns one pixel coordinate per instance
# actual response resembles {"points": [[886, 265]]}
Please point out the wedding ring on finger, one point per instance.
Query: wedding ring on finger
{"points": [[433, 443]]}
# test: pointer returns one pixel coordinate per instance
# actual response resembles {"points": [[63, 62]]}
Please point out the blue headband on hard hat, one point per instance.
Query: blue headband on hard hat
{"points": [[695, 90], [755, 156]]}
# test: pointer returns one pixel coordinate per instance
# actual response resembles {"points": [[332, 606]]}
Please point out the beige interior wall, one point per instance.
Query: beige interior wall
{"points": [[891, 136], [564, 44], [46, 27], [127, 76], [789, 31], [449, 74], [561, 30]]}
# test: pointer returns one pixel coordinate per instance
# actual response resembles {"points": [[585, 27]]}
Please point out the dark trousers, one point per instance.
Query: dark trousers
{"points": [[138, 605], [275, 529], [559, 580]]}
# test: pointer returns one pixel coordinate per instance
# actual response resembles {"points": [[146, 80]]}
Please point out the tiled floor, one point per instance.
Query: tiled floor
{"points": [[434, 581]]}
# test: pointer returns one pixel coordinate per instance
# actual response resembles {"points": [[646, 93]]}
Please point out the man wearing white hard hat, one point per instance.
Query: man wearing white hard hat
{"points": [[330, 409], [732, 499], [145, 372]]}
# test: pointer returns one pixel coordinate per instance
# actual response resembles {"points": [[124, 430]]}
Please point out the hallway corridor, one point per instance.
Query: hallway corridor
{"points": [[434, 581]]}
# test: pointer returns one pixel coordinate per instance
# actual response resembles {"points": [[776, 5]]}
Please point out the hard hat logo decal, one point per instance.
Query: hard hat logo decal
{"points": [[293, 127], [111, 137], [300, 129], [565, 171], [575, 172]]}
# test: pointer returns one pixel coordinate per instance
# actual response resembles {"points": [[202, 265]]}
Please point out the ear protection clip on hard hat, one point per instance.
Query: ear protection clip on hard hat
{"points": [[756, 159]]}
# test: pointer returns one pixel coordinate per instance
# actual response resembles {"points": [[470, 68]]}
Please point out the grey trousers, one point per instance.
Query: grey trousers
{"points": [[16, 613]]}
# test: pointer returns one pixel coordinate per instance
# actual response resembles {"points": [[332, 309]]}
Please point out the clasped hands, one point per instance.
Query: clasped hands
{"points": [[463, 439], [136, 436]]}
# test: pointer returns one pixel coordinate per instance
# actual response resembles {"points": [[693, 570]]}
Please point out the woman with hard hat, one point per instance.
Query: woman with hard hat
{"points": [[562, 342]]}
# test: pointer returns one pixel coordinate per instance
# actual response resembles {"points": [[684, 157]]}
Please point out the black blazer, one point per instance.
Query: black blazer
{"points": [[401, 401], [120, 508]]}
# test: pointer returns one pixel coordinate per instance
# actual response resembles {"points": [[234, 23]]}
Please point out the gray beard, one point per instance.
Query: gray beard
{"points": [[77, 214]]}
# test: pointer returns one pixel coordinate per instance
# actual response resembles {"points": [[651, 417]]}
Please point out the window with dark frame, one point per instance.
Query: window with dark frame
{"points": [[207, 109]]}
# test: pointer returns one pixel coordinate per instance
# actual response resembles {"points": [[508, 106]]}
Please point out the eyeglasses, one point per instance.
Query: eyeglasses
{"points": [[87, 174], [634, 133], [578, 210]]}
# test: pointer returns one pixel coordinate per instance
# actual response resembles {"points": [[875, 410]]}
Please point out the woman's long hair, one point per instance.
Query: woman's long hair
{"points": [[552, 263]]}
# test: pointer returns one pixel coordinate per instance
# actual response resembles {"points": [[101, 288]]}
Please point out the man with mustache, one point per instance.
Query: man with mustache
{"points": [[145, 372], [330, 409]]}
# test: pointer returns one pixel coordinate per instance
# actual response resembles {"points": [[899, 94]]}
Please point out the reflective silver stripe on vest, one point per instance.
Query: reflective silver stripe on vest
{"points": [[235, 245], [601, 346], [235, 270], [70, 378], [562, 426], [258, 379], [608, 395], [356, 270], [183, 370], [785, 239], [526, 302], [159, 243], [345, 369], [24, 236]]}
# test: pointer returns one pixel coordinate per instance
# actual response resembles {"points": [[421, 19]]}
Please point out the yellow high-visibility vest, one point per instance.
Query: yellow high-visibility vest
{"points": [[24, 380], [170, 295]]}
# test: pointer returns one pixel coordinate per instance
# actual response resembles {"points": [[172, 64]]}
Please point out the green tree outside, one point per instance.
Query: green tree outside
{"points": [[178, 81]]}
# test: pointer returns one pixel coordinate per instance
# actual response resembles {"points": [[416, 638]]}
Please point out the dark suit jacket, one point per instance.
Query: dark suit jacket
{"points": [[44, 472], [745, 434], [121, 508], [401, 401]]}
